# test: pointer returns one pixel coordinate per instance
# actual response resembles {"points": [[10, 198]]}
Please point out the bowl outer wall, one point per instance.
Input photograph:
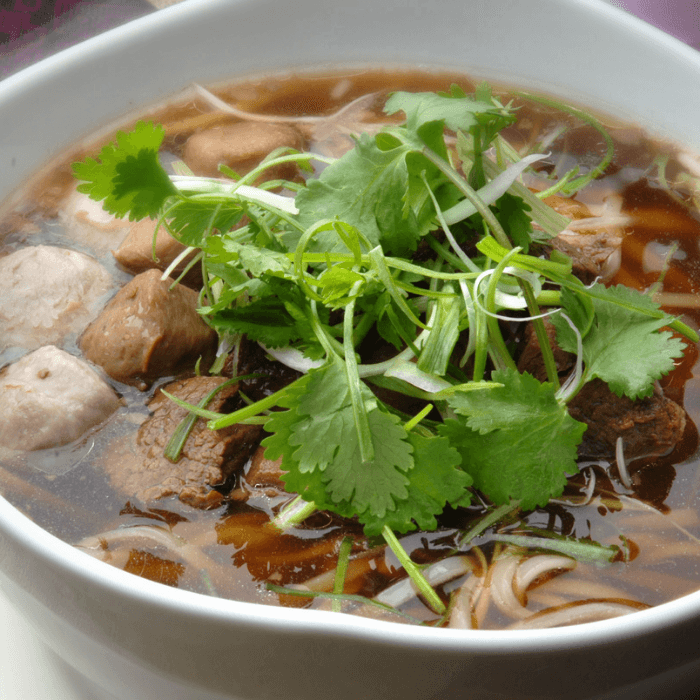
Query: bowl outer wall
{"points": [[605, 59]]}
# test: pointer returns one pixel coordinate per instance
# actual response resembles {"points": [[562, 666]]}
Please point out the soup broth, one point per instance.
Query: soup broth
{"points": [[635, 224]]}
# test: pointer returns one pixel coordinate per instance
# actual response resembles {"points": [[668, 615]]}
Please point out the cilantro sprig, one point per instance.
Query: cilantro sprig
{"points": [[309, 278]]}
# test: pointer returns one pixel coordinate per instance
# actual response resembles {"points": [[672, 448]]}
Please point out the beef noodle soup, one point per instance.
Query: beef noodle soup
{"points": [[441, 467]]}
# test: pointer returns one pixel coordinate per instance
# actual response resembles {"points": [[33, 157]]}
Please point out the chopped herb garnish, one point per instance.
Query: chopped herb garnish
{"points": [[309, 277]]}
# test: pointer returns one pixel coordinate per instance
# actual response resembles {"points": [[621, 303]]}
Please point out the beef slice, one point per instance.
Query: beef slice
{"points": [[139, 468], [649, 427]]}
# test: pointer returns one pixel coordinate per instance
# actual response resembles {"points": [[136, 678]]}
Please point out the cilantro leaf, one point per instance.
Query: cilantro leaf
{"points": [[254, 259], [336, 283], [128, 175], [277, 318], [457, 111], [517, 441], [264, 320], [624, 346], [191, 221], [317, 439], [512, 213], [372, 486], [365, 188], [436, 480]]}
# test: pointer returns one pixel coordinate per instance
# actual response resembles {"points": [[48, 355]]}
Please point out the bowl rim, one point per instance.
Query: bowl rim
{"points": [[41, 544]]}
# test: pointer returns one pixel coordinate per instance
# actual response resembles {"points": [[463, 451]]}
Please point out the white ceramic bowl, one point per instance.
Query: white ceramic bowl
{"points": [[146, 641]]}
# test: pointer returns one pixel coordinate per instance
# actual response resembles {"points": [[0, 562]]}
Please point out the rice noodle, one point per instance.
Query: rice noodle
{"points": [[436, 574], [146, 536], [462, 611], [358, 566], [502, 586], [363, 102], [577, 613], [14, 486], [577, 587], [532, 568]]}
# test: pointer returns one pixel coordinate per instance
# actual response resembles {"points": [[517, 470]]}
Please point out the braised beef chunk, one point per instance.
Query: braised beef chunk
{"points": [[209, 458], [531, 360], [241, 146], [649, 427], [148, 331], [264, 472], [252, 359], [589, 249], [136, 252]]}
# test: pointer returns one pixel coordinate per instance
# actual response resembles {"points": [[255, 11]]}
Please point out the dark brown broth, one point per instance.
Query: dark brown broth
{"points": [[245, 553]]}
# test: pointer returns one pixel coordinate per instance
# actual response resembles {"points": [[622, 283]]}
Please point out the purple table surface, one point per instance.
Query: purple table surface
{"points": [[679, 18], [34, 29]]}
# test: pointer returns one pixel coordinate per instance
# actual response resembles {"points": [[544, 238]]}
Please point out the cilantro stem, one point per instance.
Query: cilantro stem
{"points": [[376, 256], [181, 433], [495, 335], [446, 254], [580, 550], [330, 344], [467, 262], [341, 571], [364, 434], [363, 327], [589, 119], [481, 338], [550, 364], [468, 191], [218, 421], [549, 219], [396, 263], [295, 512], [408, 426], [413, 571], [500, 235], [268, 163], [487, 521]]}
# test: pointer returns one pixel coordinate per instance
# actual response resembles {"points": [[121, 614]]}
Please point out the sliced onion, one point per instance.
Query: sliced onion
{"points": [[409, 372], [573, 380], [217, 103], [146, 536], [293, 358], [493, 190]]}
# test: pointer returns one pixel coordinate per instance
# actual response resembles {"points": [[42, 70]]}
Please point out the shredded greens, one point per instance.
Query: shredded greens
{"points": [[309, 277]]}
